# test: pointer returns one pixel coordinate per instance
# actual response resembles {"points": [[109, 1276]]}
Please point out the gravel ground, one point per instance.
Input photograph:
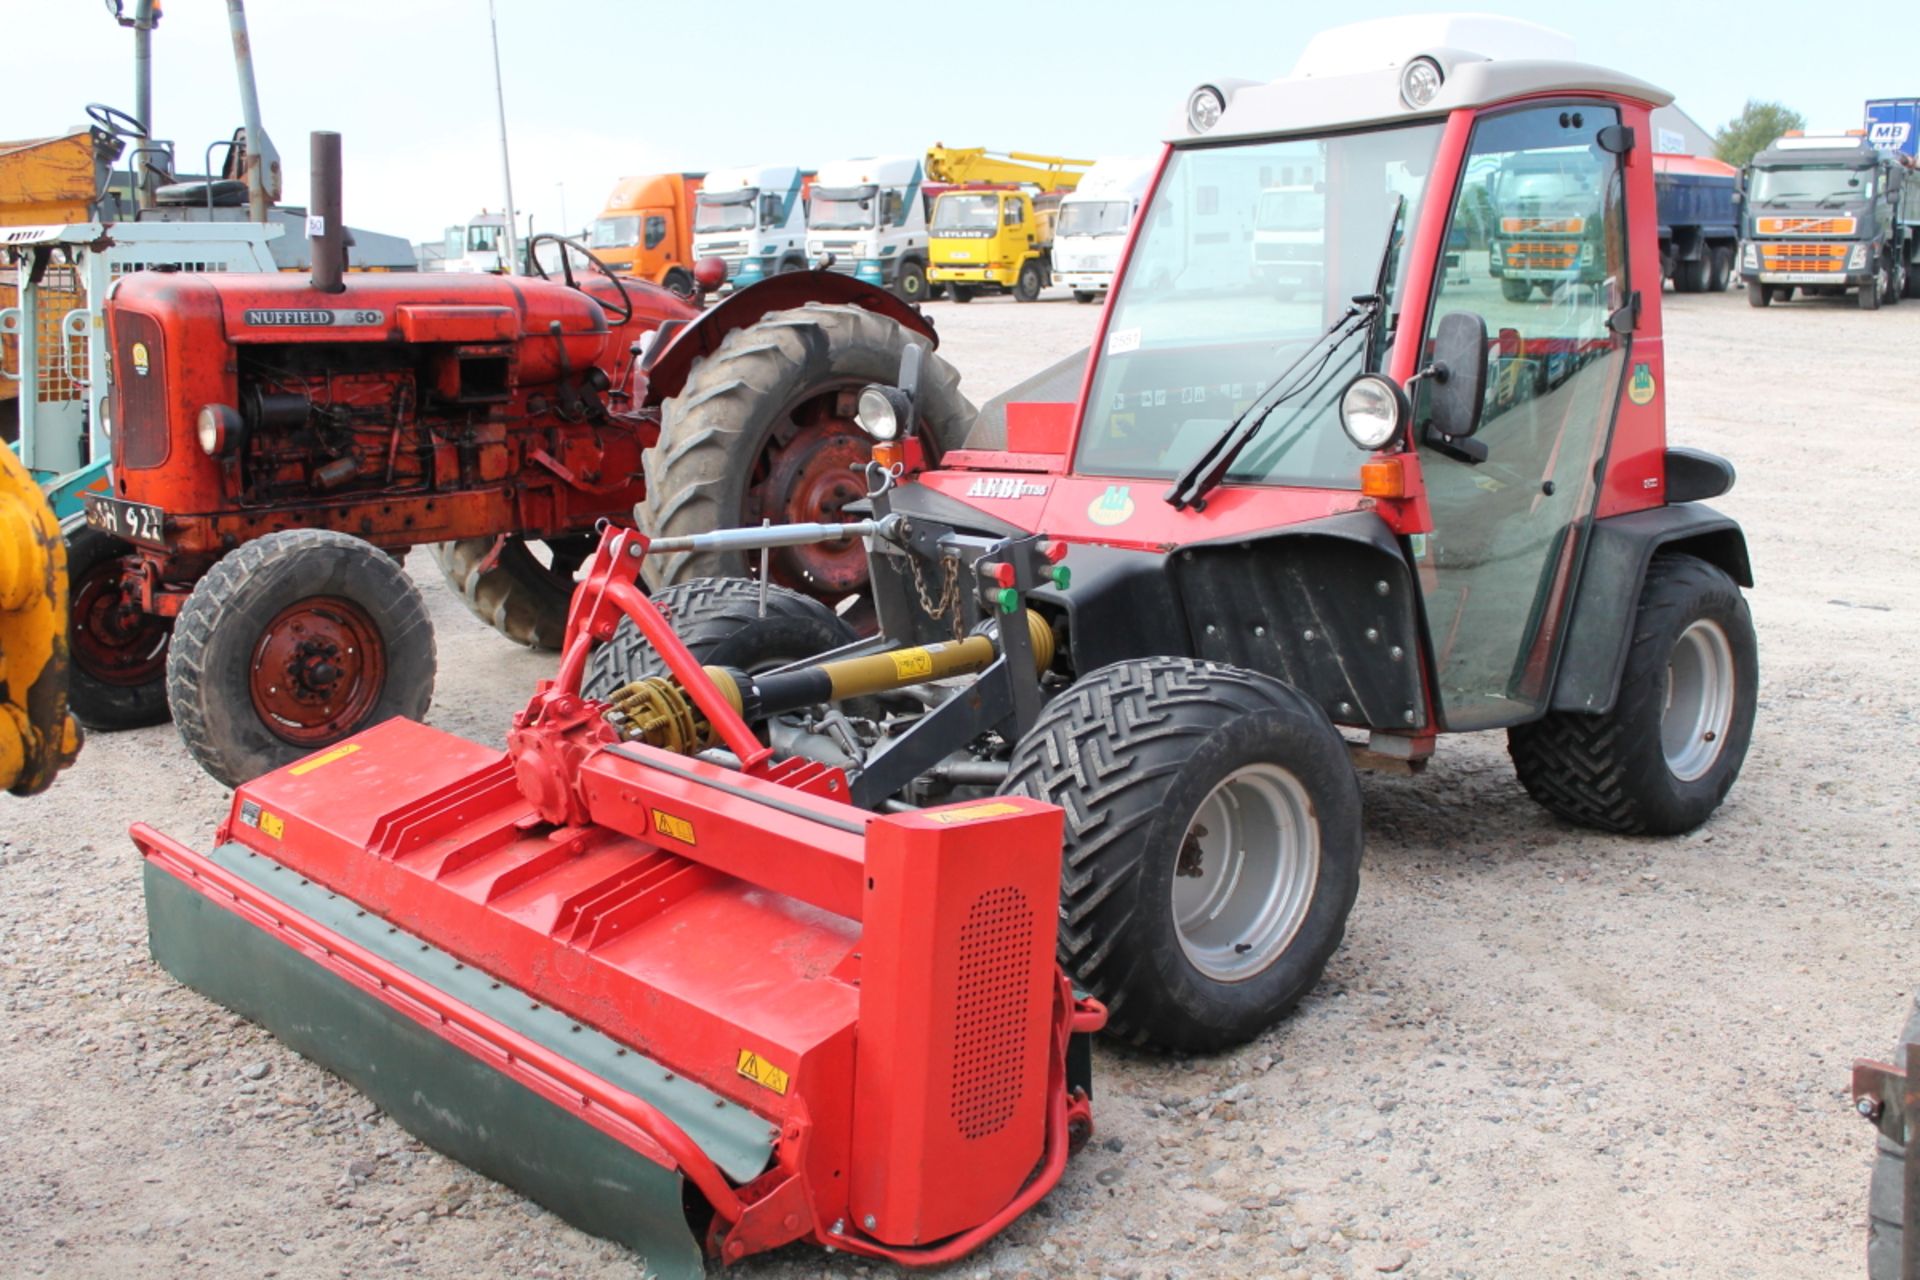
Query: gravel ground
{"points": [[1542, 1052]]}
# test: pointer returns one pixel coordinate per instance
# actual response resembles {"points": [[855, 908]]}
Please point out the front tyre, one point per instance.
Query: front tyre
{"points": [[1759, 295], [291, 643], [1212, 848], [1026, 288], [1661, 761], [118, 676], [911, 284]]}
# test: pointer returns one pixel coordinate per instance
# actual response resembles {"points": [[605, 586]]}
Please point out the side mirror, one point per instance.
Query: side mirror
{"points": [[1457, 390]]}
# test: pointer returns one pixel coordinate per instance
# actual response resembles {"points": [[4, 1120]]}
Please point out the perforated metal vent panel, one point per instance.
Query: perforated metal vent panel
{"points": [[990, 1011]]}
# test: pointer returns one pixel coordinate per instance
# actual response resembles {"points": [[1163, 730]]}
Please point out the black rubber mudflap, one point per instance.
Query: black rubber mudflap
{"points": [[448, 1099]]}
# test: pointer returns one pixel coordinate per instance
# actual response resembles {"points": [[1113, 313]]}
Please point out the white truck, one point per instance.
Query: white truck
{"points": [[1289, 231], [754, 219], [1091, 230], [870, 215]]}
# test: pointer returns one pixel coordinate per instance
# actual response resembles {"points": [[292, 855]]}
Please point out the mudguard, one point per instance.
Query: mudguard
{"points": [[1601, 625]]}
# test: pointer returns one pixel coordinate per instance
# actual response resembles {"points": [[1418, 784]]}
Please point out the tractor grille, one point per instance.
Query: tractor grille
{"points": [[1777, 226], [1542, 255], [1543, 226], [991, 1013], [1815, 256], [139, 391]]}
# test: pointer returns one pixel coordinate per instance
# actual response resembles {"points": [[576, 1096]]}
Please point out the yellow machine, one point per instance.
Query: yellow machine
{"points": [[995, 232], [38, 738]]}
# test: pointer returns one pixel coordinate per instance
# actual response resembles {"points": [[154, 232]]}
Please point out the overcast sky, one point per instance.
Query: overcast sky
{"points": [[600, 88]]}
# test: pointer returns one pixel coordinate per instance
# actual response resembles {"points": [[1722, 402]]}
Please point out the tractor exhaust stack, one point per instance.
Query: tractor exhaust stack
{"points": [[327, 237]]}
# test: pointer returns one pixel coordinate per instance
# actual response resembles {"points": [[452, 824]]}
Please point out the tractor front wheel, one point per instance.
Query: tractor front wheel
{"points": [[506, 583], [118, 679], [720, 620], [764, 430], [291, 643], [1212, 848], [1661, 761]]}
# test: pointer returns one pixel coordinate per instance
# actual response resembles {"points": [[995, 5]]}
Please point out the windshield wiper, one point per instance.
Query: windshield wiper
{"points": [[1205, 473]]}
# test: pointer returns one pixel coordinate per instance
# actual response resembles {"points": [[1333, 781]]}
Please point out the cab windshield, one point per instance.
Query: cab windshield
{"points": [[842, 208], [1093, 218], [1291, 211], [731, 212], [966, 213], [615, 233], [1199, 324], [483, 238], [1811, 184]]}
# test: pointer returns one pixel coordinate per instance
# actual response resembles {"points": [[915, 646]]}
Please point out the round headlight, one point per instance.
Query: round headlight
{"points": [[882, 412], [1373, 409], [1204, 106], [216, 427], [1420, 81]]}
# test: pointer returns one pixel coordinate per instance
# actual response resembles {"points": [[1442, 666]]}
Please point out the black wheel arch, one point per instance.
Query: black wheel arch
{"points": [[1600, 625]]}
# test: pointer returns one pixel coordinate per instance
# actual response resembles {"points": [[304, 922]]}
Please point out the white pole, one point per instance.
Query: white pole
{"points": [[511, 261]]}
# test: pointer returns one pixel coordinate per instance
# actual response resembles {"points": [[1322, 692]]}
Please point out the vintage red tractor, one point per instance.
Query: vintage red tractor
{"points": [[280, 442]]}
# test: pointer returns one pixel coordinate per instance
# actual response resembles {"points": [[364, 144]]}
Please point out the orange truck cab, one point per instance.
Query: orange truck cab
{"points": [[646, 230]]}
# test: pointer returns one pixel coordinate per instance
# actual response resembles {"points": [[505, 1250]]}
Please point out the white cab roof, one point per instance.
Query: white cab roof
{"points": [[1114, 178], [771, 176], [881, 171]]}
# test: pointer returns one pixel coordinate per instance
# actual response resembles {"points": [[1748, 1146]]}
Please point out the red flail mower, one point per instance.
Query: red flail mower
{"points": [[651, 991]]}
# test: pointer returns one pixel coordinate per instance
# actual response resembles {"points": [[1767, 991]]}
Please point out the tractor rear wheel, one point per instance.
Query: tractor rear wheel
{"points": [[291, 643], [519, 588], [1026, 288], [719, 619], [764, 429], [1661, 761], [1212, 848], [118, 677], [1885, 1193]]}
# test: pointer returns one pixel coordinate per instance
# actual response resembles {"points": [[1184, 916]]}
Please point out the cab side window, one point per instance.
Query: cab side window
{"points": [[656, 230], [1011, 214]]}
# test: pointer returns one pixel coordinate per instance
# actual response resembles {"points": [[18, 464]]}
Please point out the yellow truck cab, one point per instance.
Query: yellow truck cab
{"points": [[992, 228], [646, 230]]}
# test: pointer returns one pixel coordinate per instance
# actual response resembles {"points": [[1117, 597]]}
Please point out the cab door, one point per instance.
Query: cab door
{"points": [[1509, 532]]}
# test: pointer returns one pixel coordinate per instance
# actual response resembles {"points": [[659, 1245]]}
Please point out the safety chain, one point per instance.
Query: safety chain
{"points": [[949, 594]]}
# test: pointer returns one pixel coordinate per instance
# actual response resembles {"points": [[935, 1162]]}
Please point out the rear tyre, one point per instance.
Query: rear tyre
{"points": [[1885, 1192], [1911, 276], [1693, 275], [1515, 290], [719, 619], [1759, 295], [118, 676], [1212, 848], [291, 643], [522, 597], [961, 292], [911, 284], [1896, 282], [1027, 287], [1661, 761], [1722, 274], [1083, 296], [763, 429]]}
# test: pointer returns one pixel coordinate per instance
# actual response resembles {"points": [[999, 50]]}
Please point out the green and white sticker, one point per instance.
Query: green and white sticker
{"points": [[1641, 387]]}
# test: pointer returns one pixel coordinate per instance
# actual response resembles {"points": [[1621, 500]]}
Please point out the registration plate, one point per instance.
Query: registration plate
{"points": [[134, 521]]}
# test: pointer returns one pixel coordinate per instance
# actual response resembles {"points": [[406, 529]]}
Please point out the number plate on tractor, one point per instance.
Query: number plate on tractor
{"points": [[134, 521]]}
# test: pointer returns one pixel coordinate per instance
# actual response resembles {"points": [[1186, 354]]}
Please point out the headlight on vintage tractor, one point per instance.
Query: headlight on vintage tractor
{"points": [[217, 427]]}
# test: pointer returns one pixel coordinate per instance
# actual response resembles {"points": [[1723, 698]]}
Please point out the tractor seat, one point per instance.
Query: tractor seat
{"points": [[228, 193]]}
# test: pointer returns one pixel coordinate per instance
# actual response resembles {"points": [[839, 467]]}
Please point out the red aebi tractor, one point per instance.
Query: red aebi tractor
{"points": [[1388, 504], [280, 442]]}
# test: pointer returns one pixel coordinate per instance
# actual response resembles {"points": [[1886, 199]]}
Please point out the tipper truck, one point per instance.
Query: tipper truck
{"points": [[646, 230], [867, 218], [1093, 223], [1825, 213], [754, 219]]}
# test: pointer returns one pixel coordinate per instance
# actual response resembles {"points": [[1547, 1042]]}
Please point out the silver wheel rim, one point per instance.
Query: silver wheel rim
{"points": [[1693, 728], [1245, 872]]}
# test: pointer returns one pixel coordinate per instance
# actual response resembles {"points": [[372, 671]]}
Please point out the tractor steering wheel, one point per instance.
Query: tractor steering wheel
{"points": [[567, 249], [115, 121]]}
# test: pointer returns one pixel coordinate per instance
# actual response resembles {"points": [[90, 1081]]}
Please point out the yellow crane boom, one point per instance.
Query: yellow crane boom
{"points": [[979, 164]]}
